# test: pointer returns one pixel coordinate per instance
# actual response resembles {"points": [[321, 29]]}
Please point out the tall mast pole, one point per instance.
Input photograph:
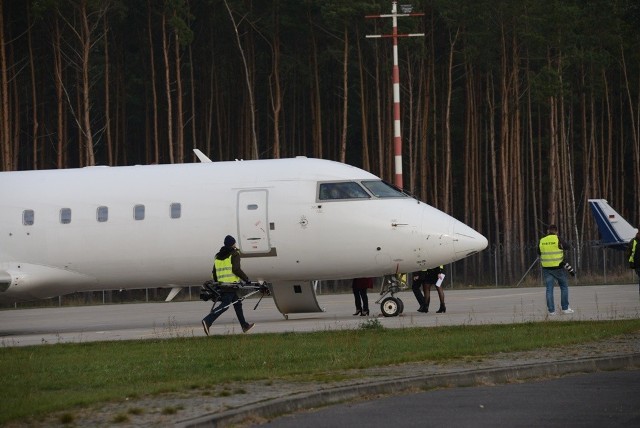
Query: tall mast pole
{"points": [[397, 133], [397, 136]]}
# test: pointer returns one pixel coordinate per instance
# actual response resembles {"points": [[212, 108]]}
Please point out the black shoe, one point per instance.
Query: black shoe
{"points": [[364, 313], [358, 312], [206, 327], [248, 327], [423, 308], [442, 310]]}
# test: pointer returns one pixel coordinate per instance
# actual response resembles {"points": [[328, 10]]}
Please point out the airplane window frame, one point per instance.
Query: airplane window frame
{"points": [[28, 217], [65, 215], [391, 191], [102, 214], [139, 212], [329, 191], [175, 210]]}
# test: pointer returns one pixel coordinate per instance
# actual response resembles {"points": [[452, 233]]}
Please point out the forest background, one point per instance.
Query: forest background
{"points": [[514, 112]]}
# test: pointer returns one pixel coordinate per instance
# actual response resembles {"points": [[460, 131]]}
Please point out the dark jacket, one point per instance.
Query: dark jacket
{"points": [[362, 283], [429, 276], [235, 262]]}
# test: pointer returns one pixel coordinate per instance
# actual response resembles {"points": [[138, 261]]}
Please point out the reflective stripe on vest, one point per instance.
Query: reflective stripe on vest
{"points": [[550, 253], [224, 270]]}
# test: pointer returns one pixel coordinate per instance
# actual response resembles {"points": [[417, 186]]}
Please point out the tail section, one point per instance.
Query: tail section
{"points": [[615, 231]]}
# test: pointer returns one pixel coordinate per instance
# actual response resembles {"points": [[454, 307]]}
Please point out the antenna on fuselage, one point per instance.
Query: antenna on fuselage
{"points": [[201, 156]]}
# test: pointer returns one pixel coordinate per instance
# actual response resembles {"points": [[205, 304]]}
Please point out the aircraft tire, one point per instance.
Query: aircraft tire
{"points": [[390, 306]]}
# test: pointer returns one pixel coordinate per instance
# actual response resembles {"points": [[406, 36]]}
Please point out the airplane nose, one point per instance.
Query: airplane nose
{"points": [[467, 241]]}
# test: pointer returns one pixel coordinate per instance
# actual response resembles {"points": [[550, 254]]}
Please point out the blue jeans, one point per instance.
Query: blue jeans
{"points": [[226, 298], [550, 276]]}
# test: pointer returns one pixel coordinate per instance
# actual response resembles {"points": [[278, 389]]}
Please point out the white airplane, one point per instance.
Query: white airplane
{"points": [[615, 231], [295, 220]]}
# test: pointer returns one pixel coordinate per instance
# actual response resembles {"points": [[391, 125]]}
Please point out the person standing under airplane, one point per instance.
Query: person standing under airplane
{"points": [[360, 286], [423, 280], [226, 269]]}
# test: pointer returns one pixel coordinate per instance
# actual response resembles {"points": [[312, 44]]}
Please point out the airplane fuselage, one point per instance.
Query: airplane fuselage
{"points": [[99, 228]]}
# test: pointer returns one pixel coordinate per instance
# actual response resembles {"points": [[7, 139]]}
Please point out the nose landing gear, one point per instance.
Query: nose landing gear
{"points": [[391, 306]]}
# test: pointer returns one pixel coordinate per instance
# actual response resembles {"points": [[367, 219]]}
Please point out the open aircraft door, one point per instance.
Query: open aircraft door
{"points": [[253, 222], [253, 233], [292, 297]]}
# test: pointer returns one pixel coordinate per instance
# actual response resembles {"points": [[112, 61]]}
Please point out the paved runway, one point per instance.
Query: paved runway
{"points": [[24, 327], [604, 399]]}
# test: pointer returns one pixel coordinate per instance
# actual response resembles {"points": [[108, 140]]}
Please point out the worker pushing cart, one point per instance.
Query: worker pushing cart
{"points": [[230, 278]]}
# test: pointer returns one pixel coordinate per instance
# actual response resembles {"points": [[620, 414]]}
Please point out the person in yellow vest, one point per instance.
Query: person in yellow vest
{"points": [[226, 268], [553, 269], [633, 255]]}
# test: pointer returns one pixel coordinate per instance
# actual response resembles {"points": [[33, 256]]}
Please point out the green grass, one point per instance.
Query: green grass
{"points": [[38, 380]]}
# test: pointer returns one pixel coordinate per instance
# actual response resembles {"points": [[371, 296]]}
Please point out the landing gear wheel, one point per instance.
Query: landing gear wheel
{"points": [[401, 304], [391, 306]]}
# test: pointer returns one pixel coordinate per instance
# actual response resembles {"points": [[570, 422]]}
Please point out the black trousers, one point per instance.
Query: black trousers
{"points": [[362, 300]]}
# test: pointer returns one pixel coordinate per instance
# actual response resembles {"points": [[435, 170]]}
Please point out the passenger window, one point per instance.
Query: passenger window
{"points": [[28, 217], [381, 189], [65, 215], [138, 212], [102, 214], [176, 210], [342, 190]]}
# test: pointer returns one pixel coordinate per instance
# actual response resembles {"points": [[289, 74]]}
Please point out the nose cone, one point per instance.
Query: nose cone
{"points": [[467, 241]]}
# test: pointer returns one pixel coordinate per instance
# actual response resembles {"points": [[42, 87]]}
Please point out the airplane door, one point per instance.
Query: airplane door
{"points": [[253, 221]]}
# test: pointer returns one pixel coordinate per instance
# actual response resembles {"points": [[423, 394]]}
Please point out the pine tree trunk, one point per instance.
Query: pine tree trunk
{"points": [[342, 155], [5, 135], [167, 83], [179, 97], [154, 93]]}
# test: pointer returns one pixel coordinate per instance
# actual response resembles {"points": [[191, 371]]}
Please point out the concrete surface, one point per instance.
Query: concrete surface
{"points": [[248, 404]]}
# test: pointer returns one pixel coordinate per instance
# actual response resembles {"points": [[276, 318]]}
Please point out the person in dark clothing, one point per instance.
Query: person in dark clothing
{"points": [[226, 269], [360, 286], [422, 281]]}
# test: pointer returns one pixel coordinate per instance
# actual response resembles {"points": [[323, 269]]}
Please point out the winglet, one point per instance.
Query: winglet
{"points": [[614, 230], [203, 158]]}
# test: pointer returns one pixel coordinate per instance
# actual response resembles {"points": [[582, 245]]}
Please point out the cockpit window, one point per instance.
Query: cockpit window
{"points": [[381, 189], [342, 190]]}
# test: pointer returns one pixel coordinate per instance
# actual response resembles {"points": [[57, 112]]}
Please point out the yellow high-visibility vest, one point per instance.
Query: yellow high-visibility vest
{"points": [[632, 255], [551, 255], [224, 270]]}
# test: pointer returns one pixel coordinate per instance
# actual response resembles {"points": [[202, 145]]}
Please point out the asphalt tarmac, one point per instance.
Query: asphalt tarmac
{"points": [[580, 386], [604, 399], [24, 327]]}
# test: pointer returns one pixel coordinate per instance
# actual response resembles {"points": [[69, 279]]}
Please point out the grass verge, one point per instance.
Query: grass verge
{"points": [[37, 380]]}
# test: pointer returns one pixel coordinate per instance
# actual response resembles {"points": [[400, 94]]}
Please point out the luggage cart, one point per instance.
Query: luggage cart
{"points": [[211, 290]]}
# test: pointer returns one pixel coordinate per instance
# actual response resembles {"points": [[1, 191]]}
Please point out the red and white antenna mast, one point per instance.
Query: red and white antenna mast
{"points": [[397, 139]]}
